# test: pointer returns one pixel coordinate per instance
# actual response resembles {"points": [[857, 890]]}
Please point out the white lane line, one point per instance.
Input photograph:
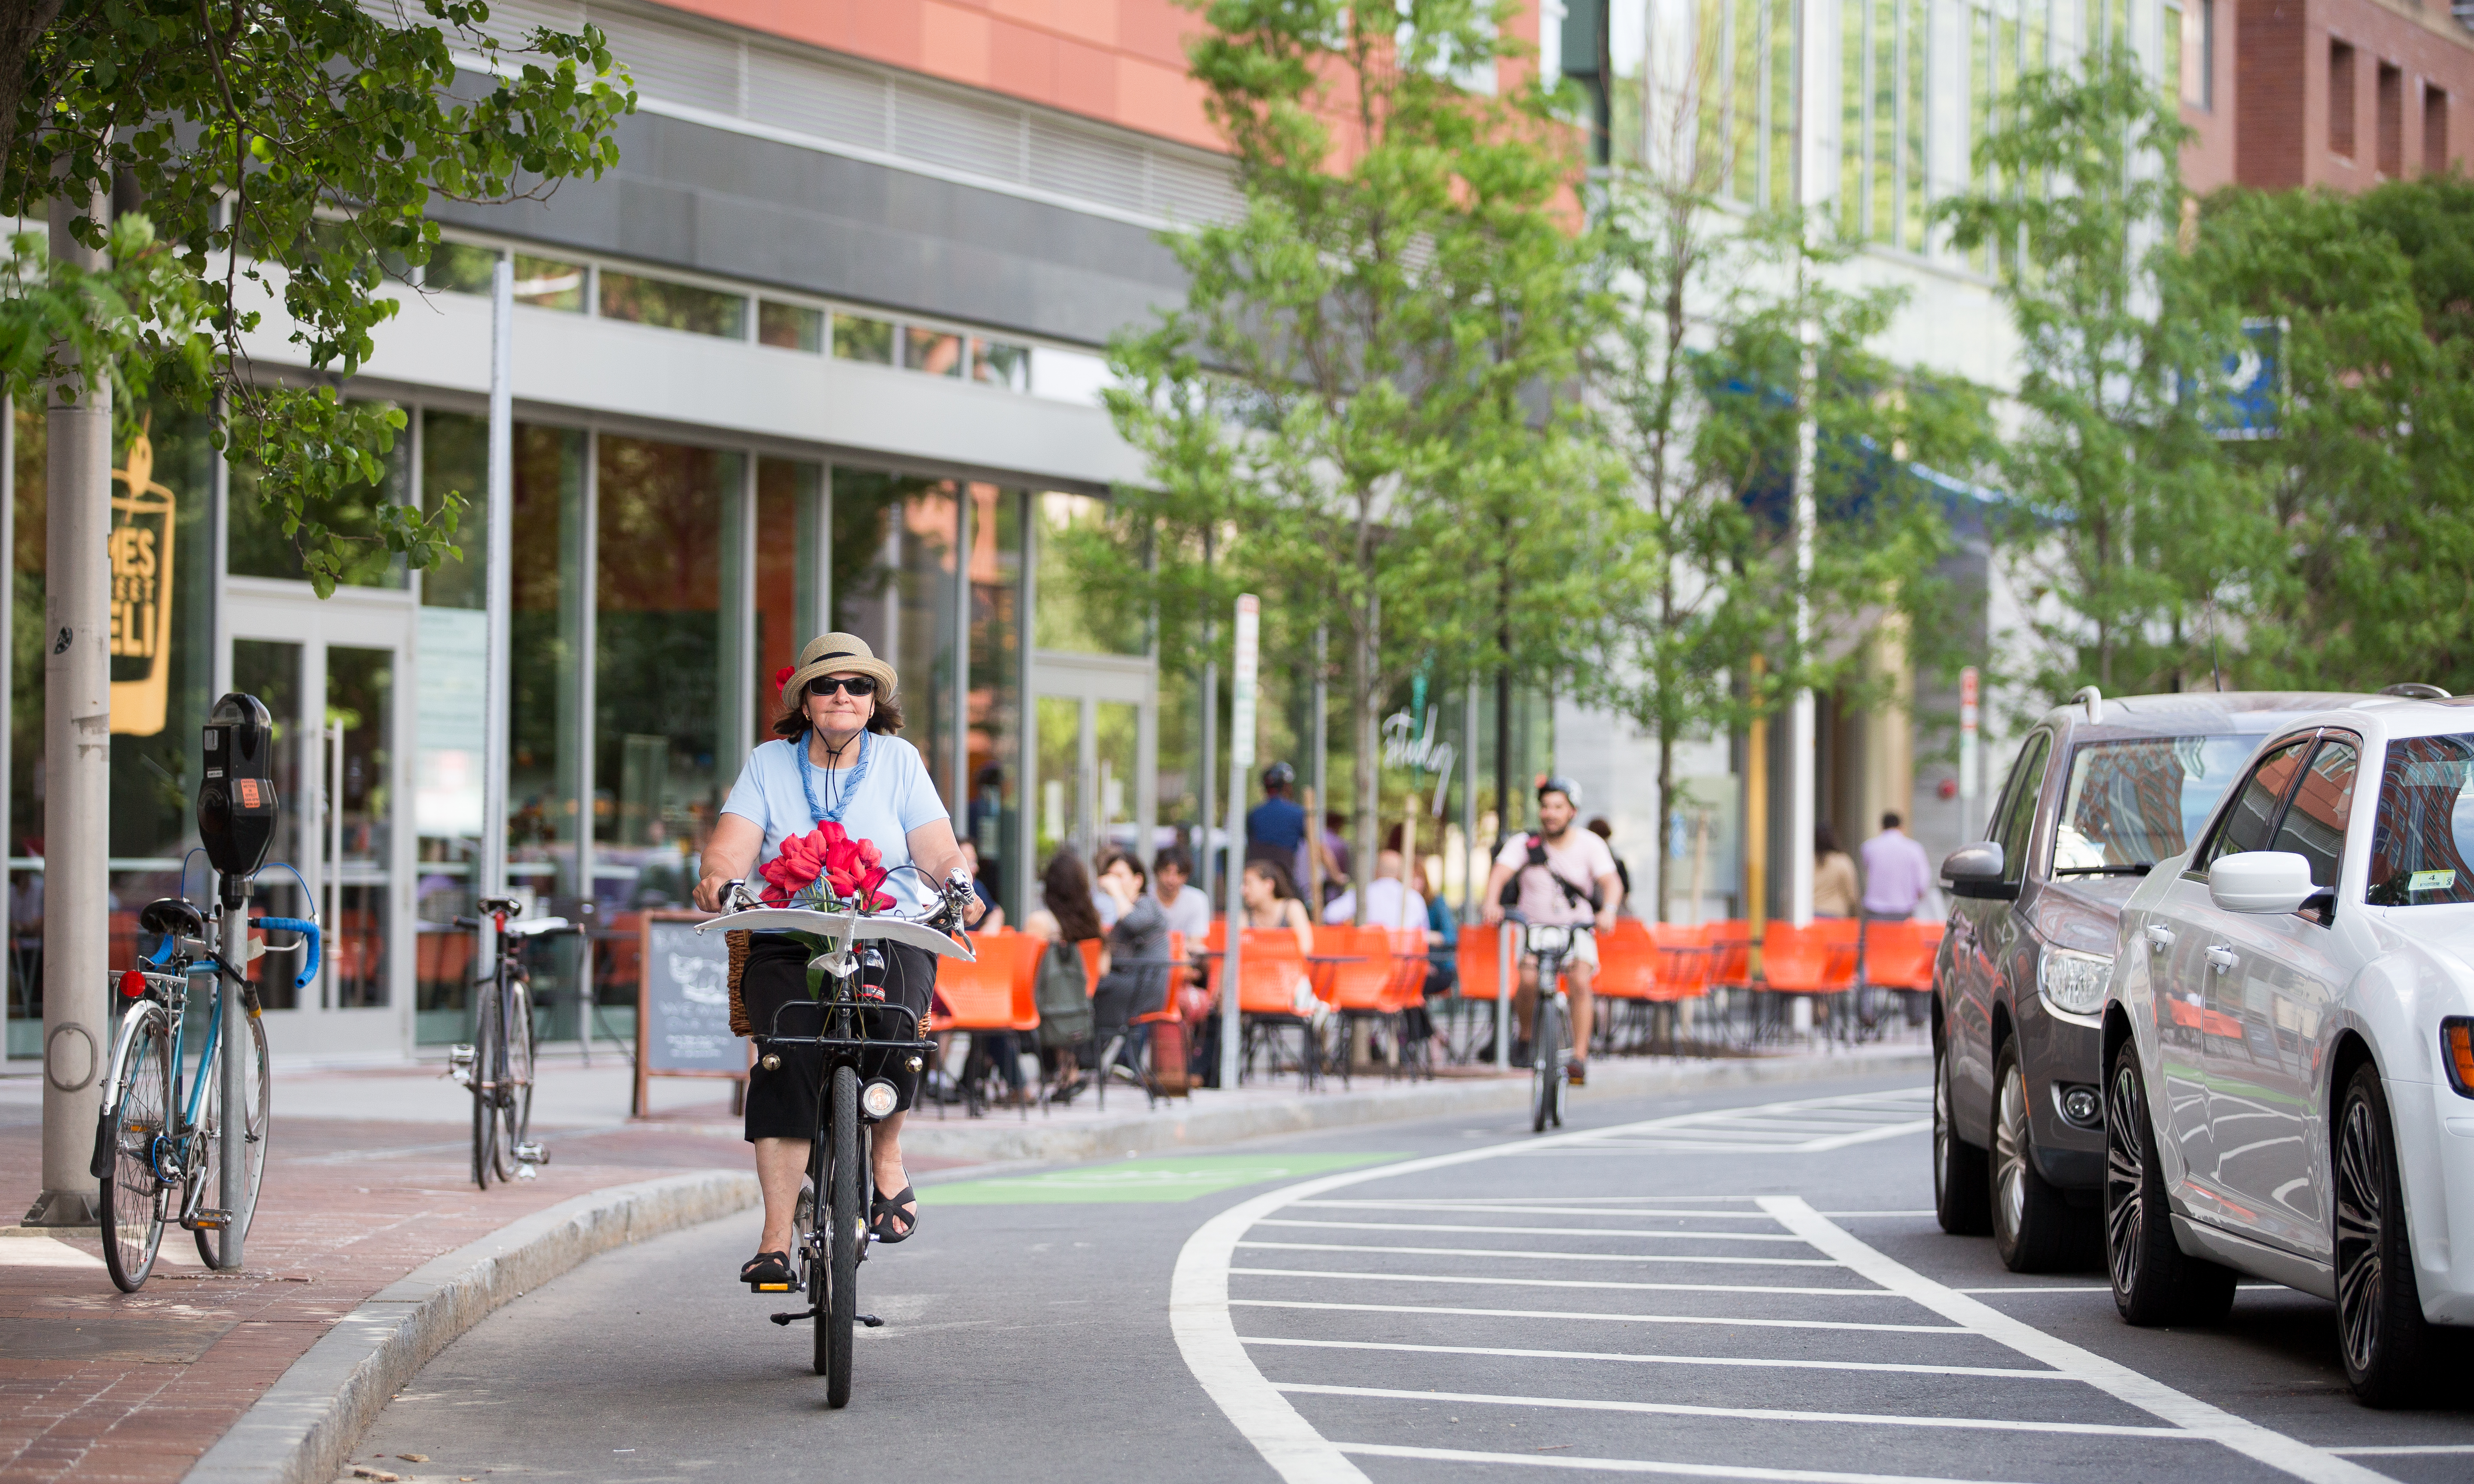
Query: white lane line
{"points": [[1456, 1455], [1657, 1203], [1726, 1321], [1845, 1213], [1505, 1208], [2403, 1449], [1750, 1363], [1687, 1260], [2288, 1456], [1415, 1226], [1566, 1283], [1756, 1414], [1685, 1141]]}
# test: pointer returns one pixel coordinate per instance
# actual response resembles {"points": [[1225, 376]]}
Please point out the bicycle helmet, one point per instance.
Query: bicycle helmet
{"points": [[1279, 774], [1570, 790]]}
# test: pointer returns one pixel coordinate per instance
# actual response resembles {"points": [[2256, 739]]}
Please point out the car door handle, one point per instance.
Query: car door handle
{"points": [[2221, 959], [2159, 939]]}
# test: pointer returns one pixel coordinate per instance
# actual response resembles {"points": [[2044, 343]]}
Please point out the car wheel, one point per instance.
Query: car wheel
{"points": [[2035, 1228], [1959, 1199], [2386, 1343], [2154, 1282]]}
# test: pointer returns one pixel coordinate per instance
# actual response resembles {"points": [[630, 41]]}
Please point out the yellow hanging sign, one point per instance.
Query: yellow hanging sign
{"points": [[141, 592]]}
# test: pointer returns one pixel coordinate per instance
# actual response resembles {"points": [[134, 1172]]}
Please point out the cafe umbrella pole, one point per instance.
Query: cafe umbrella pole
{"points": [[1241, 757]]}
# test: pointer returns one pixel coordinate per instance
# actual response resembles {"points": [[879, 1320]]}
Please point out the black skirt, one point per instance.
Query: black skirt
{"points": [[782, 1103]]}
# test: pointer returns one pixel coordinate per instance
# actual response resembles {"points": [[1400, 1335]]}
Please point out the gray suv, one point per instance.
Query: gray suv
{"points": [[2101, 790]]}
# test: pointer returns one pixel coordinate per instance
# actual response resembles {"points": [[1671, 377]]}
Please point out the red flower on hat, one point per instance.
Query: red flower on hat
{"points": [[782, 676], [851, 869]]}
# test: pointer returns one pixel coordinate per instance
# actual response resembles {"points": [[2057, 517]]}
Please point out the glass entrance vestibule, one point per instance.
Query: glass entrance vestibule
{"points": [[659, 584]]}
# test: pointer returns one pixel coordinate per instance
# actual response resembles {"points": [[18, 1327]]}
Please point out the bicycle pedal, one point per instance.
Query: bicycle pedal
{"points": [[526, 1172], [531, 1154], [209, 1219], [787, 1319], [871, 1321], [771, 1289], [459, 1065]]}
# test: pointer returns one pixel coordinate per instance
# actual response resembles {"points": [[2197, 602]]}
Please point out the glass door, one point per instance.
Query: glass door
{"points": [[1095, 739]]}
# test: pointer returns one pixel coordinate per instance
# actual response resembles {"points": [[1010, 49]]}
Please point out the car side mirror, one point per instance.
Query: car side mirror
{"points": [[1975, 871], [2269, 882]]}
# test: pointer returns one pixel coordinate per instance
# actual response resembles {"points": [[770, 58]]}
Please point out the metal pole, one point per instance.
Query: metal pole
{"points": [[1321, 757], [231, 1085], [1800, 720], [498, 600], [1241, 756], [1967, 744], [331, 987], [1210, 749], [1503, 937], [77, 765], [1471, 883]]}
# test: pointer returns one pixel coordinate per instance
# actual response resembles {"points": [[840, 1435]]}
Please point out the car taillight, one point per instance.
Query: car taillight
{"points": [[2457, 1049]]}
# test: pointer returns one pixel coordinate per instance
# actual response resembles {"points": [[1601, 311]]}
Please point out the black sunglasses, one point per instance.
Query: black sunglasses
{"points": [[856, 685]]}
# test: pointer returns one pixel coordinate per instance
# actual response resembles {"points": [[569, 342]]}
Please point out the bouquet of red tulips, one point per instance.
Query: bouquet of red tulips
{"points": [[827, 869]]}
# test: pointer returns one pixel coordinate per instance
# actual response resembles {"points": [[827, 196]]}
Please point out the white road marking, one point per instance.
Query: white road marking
{"points": [[1687, 1260], [2288, 1456], [2403, 1449], [1562, 1283], [1455, 1455], [1630, 1358], [1728, 1321], [1757, 1414], [1416, 1226]]}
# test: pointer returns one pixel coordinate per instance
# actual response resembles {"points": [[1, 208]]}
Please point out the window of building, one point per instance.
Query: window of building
{"points": [[858, 338], [1749, 112], [938, 353], [2391, 102], [893, 586], [256, 545], [790, 547], [790, 326], [1884, 75], [1001, 365], [544, 282], [674, 306], [2170, 73], [2340, 99], [2435, 130], [2200, 55]]}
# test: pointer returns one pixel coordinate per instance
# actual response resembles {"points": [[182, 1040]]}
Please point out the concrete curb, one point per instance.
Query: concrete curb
{"points": [[304, 1429], [1005, 1136]]}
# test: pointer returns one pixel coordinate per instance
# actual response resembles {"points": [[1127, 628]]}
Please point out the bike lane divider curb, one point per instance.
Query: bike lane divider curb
{"points": [[304, 1428]]}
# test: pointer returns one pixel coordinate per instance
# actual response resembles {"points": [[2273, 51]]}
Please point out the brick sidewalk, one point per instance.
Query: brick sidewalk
{"points": [[99, 1385]]}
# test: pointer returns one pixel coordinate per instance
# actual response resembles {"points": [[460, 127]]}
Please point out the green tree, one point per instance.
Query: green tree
{"points": [[1366, 354], [311, 135], [2123, 523]]}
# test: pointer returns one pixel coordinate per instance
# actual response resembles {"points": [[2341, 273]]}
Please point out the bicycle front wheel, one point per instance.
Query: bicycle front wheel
{"points": [[849, 1212], [254, 1130], [1547, 1072], [488, 1057], [515, 1100], [132, 1196]]}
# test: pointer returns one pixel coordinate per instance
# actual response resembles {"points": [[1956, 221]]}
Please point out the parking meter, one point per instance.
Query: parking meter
{"points": [[238, 809]]}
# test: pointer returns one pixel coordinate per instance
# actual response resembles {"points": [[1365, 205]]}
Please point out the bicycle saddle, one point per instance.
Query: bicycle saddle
{"points": [[172, 916]]}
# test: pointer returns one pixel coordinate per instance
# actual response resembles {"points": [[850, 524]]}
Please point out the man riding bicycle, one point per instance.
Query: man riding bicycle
{"points": [[1558, 875]]}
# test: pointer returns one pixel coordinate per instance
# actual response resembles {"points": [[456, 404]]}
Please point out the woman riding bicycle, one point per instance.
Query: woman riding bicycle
{"points": [[836, 757]]}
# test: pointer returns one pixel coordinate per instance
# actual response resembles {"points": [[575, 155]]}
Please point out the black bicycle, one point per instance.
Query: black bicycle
{"points": [[498, 1067], [830, 1234], [1549, 1015]]}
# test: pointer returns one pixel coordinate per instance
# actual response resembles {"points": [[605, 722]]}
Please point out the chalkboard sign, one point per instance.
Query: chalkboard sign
{"points": [[683, 1004]]}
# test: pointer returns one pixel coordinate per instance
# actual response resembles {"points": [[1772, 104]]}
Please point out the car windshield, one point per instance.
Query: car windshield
{"points": [[2425, 832], [2129, 804]]}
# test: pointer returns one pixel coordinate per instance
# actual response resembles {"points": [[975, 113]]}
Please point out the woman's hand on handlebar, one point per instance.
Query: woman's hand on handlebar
{"points": [[708, 892]]}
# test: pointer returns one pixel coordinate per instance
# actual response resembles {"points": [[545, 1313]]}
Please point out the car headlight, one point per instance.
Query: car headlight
{"points": [[2073, 981]]}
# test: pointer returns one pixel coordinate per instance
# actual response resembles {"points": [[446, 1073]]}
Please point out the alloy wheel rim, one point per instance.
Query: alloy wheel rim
{"points": [[2009, 1154], [2361, 1182], [1941, 1126], [2125, 1223]]}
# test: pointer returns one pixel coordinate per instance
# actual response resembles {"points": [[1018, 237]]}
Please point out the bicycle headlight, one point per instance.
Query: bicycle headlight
{"points": [[2073, 981], [877, 1098]]}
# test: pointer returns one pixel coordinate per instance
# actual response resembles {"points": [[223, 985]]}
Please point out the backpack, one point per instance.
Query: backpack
{"points": [[1063, 994]]}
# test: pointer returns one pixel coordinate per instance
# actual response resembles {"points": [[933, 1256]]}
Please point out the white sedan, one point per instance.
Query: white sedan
{"points": [[2288, 1045]]}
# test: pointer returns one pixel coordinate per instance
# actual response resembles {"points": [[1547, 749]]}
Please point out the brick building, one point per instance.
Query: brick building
{"points": [[2342, 93]]}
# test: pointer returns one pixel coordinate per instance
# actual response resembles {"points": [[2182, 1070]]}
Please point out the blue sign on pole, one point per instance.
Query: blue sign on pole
{"points": [[2254, 383]]}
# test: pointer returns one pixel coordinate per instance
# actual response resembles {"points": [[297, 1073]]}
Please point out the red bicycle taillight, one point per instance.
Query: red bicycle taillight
{"points": [[132, 983], [2457, 1049]]}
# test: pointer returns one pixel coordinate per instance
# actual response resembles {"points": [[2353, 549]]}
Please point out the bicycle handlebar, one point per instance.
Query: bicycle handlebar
{"points": [[307, 930]]}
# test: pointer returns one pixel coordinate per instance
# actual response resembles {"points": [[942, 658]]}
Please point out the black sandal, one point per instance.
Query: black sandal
{"points": [[888, 1211], [769, 1272]]}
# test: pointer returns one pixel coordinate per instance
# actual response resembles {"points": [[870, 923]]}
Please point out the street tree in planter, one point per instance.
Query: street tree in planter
{"points": [[311, 135]]}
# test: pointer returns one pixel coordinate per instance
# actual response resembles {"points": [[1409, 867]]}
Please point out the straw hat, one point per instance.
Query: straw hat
{"points": [[839, 654]]}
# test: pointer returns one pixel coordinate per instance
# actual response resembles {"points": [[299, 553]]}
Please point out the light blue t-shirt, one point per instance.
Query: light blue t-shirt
{"points": [[896, 798]]}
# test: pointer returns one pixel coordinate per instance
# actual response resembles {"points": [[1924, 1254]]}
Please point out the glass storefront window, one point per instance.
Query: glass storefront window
{"points": [[674, 306], [858, 338], [790, 326], [894, 587], [938, 353], [660, 664], [258, 547], [790, 514], [1068, 619], [993, 814], [25, 996]]}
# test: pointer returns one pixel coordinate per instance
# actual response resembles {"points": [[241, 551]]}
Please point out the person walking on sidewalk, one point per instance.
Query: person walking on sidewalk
{"points": [[1276, 827], [1559, 876], [1835, 890], [1896, 872], [837, 756]]}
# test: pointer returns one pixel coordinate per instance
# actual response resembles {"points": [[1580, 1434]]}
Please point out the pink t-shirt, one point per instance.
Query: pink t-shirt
{"points": [[1580, 858]]}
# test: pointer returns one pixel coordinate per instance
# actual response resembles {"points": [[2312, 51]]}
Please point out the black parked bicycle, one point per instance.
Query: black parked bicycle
{"points": [[830, 1232], [499, 1064]]}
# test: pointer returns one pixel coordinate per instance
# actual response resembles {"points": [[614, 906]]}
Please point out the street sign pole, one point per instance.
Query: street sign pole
{"points": [[1241, 758], [499, 595]]}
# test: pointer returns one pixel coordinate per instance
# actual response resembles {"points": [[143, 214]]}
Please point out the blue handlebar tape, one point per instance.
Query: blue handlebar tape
{"points": [[306, 929]]}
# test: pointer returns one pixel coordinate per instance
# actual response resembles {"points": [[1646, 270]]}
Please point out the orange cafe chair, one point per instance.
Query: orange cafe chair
{"points": [[1900, 955]]}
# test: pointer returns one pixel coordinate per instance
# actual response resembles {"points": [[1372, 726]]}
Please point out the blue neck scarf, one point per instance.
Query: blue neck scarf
{"points": [[851, 780]]}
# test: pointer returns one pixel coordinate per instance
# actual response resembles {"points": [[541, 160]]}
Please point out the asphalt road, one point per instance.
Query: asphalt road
{"points": [[1733, 1286]]}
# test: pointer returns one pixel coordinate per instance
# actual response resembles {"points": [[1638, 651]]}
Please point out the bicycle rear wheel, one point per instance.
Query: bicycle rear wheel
{"points": [[488, 1057], [849, 1233], [132, 1197], [515, 1096], [253, 1131]]}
